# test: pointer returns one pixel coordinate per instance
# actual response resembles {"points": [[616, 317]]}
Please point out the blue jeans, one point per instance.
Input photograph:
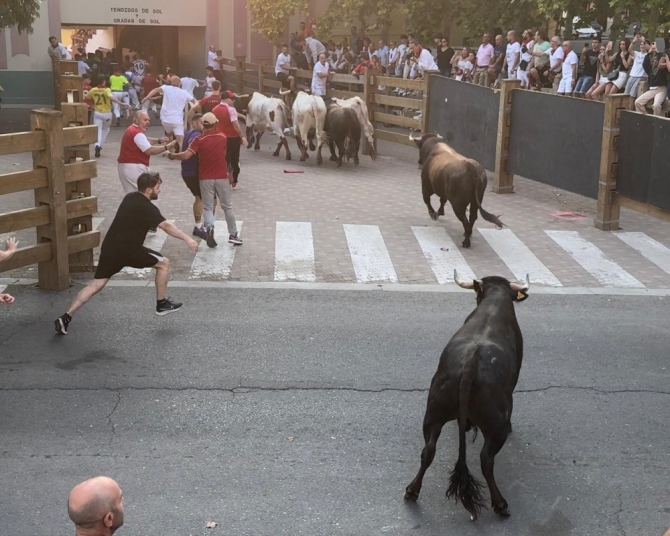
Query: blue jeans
{"points": [[584, 84]]}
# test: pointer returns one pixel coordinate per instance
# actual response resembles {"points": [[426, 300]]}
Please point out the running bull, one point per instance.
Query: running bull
{"points": [[309, 119], [474, 382], [266, 114], [357, 105], [454, 178], [344, 132]]}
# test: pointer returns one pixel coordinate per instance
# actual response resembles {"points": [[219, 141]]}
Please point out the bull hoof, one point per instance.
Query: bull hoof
{"points": [[276, 153], [466, 243], [411, 495], [501, 510], [339, 164], [333, 158], [303, 158], [288, 157], [312, 147], [319, 161], [257, 148], [433, 216], [356, 162]]}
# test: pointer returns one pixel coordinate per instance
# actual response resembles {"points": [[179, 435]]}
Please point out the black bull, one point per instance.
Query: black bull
{"points": [[474, 382], [344, 131], [454, 178]]}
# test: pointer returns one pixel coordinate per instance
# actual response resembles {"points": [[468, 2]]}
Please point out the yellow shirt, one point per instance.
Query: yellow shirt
{"points": [[102, 99], [116, 83]]}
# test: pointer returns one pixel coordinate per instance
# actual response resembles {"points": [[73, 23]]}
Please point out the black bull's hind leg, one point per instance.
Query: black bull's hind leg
{"points": [[459, 208]]}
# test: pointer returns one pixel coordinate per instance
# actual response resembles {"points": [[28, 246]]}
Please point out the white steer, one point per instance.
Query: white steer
{"points": [[268, 114], [309, 119]]}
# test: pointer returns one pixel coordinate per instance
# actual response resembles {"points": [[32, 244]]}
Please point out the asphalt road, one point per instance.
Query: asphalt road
{"points": [[299, 412]]}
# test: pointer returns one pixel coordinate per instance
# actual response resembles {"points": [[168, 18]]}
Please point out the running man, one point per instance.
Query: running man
{"points": [[119, 85], [172, 109], [102, 99], [189, 172], [213, 176], [124, 246], [228, 125]]}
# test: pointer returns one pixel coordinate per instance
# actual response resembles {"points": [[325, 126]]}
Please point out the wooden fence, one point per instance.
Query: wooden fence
{"points": [[60, 179], [248, 77]]}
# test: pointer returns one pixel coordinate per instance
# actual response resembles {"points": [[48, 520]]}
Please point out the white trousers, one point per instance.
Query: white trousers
{"points": [[134, 99], [123, 97], [150, 104], [103, 120], [523, 76], [128, 175]]}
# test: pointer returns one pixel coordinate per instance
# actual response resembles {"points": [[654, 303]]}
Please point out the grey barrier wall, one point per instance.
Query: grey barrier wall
{"points": [[643, 171], [466, 116], [556, 140]]}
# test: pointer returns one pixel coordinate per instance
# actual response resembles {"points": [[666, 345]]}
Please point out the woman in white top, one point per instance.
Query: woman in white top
{"points": [[463, 65]]}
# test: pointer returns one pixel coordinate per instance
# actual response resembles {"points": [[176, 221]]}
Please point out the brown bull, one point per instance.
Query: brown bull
{"points": [[454, 178]]}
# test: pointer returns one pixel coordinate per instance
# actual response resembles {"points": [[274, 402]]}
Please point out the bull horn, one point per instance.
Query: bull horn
{"points": [[521, 287], [243, 117], [461, 283], [412, 138], [241, 96], [284, 91]]}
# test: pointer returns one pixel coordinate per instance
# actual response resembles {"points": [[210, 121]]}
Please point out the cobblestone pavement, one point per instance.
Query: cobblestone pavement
{"points": [[360, 225]]}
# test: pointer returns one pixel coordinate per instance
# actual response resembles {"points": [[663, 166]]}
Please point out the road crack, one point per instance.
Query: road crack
{"points": [[110, 421]]}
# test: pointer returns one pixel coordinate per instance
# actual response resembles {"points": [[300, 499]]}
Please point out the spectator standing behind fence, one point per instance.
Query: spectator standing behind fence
{"points": [[656, 66], [485, 58], [464, 66], [568, 70], [383, 55], [402, 56], [422, 58], [444, 56], [637, 72], [320, 76], [526, 59], [556, 57], [313, 48], [499, 58], [57, 51], [620, 64], [540, 59], [512, 55], [589, 57]]}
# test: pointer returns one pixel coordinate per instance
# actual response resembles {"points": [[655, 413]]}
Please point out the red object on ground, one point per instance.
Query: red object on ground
{"points": [[293, 171]]}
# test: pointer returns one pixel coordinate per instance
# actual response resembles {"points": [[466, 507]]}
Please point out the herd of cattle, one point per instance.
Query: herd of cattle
{"points": [[480, 366], [340, 123]]}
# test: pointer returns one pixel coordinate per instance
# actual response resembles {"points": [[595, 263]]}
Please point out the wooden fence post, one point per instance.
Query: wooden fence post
{"points": [[369, 89], [607, 212], [52, 274], [425, 110], [503, 180], [240, 73]]}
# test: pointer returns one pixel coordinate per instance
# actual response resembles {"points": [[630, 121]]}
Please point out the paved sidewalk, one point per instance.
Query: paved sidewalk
{"points": [[386, 195]]}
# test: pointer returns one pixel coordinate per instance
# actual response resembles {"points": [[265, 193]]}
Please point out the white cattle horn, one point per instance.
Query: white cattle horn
{"points": [[412, 138], [461, 283], [519, 287], [284, 91], [241, 96]]}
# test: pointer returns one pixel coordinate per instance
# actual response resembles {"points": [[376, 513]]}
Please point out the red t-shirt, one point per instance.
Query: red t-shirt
{"points": [[130, 153], [226, 116], [211, 150], [209, 103], [149, 83]]}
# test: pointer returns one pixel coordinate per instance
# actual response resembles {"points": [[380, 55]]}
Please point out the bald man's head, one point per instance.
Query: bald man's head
{"points": [[96, 504], [175, 81]]}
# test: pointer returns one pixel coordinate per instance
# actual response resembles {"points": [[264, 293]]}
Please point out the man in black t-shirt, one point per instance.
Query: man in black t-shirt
{"points": [[124, 246], [589, 58]]}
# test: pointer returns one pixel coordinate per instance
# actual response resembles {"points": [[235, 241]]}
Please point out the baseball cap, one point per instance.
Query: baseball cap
{"points": [[209, 119], [230, 95]]}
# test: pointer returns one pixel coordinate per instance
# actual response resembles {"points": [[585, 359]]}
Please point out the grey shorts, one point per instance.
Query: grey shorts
{"points": [[632, 84]]}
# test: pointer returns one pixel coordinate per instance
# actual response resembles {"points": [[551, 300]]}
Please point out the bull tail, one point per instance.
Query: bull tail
{"points": [[462, 485], [478, 196]]}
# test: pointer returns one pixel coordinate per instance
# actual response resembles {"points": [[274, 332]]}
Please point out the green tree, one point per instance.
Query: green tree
{"points": [[270, 17], [372, 14], [19, 13]]}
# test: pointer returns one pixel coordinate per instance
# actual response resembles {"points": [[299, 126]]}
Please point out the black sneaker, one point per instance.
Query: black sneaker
{"points": [[97, 151], [235, 239], [62, 323], [199, 232], [210, 237], [167, 307]]}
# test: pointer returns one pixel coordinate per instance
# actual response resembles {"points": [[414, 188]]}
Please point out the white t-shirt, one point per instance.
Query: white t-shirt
{"points": [[528, 55], [174, 101], [426, 62], [570, 60], [313, 49], [82, 68], [282, 59], [464, 65], [208, 85], [141, 141], [512, 50], [555, 56], [211, 60], [637, 70], [318, 83], [189, 85]]}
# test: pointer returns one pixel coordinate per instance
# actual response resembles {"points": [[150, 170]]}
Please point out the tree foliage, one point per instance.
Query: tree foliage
{"points": [[19, 13], [371, 14], [270, 17]]}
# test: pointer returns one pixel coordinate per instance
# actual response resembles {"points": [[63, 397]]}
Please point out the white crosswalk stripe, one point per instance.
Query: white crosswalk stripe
{"points": [[518, 258], [153, 241], [216, 261], [649, 248], [369, 255], [442, 254], [294, 252], [593, 260]]}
